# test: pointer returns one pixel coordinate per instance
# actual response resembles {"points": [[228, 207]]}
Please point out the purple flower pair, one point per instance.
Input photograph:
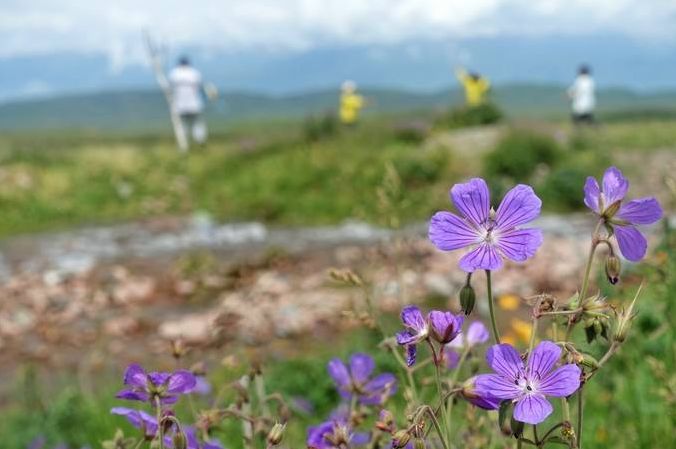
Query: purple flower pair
{"points": [[356, 380], [148, 387], [443, 327], [607, 202], [492, 236], [527, 385]]}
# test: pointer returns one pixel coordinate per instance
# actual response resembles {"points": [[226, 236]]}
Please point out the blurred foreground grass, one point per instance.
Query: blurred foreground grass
{"points": [[279, 173]]}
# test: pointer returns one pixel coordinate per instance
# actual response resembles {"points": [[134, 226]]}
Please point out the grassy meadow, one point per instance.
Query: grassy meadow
{"points": [[388, 171]]}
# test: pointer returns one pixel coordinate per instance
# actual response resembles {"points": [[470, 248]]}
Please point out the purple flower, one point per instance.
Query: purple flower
{"points": [[492, 236], [146, 387], [607, 202], [139, 419], [356, 380], [476, 334], [444, 325], [417, 330], [481, 400], [528, 385], [334, 434]]}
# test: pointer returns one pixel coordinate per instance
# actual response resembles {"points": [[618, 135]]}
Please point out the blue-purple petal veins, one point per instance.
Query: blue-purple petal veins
{"points": [[356, 380], [528, 385], [607, 201], [490, 237], [146, 387]]}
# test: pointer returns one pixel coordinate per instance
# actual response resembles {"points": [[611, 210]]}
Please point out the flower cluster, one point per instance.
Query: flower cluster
{"points": [[443, 327]]}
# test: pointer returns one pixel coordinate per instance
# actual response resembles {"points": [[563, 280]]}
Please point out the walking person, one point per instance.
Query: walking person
{"points": [[187, 98], [583, 97]]}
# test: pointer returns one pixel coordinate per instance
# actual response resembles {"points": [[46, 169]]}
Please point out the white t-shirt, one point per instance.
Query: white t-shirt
{"points": [[582, 95], [186, 84]]}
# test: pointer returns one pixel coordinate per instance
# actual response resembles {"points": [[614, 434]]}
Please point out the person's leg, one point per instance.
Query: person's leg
{"points": [[199, 130]]}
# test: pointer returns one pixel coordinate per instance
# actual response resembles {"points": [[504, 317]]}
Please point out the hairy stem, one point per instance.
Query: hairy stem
{"points": [[440, 390], [491, 307]]}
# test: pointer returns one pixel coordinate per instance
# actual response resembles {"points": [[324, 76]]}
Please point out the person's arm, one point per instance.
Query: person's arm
{"points": [[461, 74]]}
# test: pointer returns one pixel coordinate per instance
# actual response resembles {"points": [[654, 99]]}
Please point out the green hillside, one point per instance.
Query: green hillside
{"points": [[146, 109]]}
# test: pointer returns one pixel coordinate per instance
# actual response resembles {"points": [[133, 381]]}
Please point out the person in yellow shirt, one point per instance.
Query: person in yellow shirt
{"points": [[476, 87], [350, 103]]}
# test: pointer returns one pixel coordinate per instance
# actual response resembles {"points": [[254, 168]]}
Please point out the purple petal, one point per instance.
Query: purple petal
{"points": [[483, 257], [477, 334], [496, 386], [562, 382], [472, 199], [138, 419], [202, 386], [519, 206], [360, 438], [452, 357], [505, 360], [447, 232], [532, 409], [413, 318], [315, 435], [133, 395], [633, 245], [615, 186], [180, 382], [361, 367], [445, 326], [159, 378], [592, 192], [406, 337], [213, 444], [519, 244], [135, 376], [641, 211], [339, 373], [411, 352], [542, 359], [379, 389]]}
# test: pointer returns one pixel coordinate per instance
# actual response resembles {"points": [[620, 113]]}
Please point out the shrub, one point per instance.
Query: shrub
{"points": [[561, 189], [519, 154], [316, 128], [414, 131], [484, 114]]}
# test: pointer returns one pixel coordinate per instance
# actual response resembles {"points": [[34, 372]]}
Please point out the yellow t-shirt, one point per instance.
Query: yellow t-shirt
{"points": [[350, 104], [475, 89]]}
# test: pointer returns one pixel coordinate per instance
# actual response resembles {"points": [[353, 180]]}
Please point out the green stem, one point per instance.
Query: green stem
{"points": [[590, 260], [440, 390], [433, 418], [535, 434], [449, 400], [409, 373], [491, 307], [580, 410], [160, 427]]}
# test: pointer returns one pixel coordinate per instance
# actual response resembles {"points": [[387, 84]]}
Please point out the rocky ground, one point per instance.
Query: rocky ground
{"points": [[110, 295]]}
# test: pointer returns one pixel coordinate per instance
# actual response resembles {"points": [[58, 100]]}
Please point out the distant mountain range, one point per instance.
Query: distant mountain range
{"points": [[146, 109], [419, 66]]}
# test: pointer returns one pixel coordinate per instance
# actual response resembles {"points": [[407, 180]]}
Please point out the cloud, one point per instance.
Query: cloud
{"points": [[114, 27]]}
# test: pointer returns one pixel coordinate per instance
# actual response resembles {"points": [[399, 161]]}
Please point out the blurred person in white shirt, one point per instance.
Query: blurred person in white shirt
{"points": [[583, 97], [187, 96]]}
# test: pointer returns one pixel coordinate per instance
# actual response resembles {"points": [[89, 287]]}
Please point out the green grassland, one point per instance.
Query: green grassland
{"points": [[286, 172]]}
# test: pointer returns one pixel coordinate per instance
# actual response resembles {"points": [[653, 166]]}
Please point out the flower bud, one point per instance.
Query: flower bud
{"points": [[613, 269], [276, 434], [400, 439], [624, 319], [467, 298], [385, 421], [180, 441]]}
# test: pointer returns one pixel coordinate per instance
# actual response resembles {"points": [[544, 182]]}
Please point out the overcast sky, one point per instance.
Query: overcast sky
{"points": [[113, 27]]}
